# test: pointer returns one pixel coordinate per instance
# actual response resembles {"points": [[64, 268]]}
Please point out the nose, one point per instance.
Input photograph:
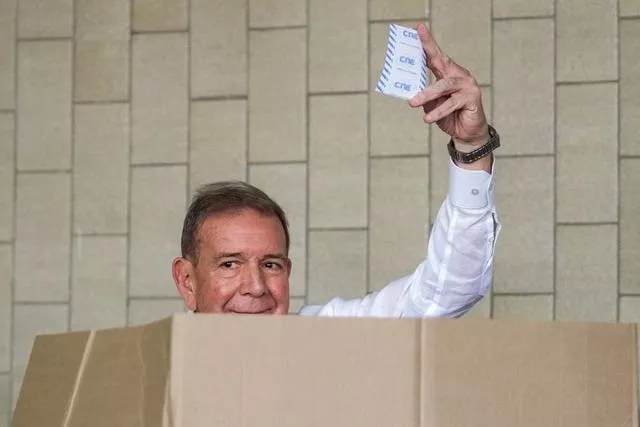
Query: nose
{"points": [[253, 283]]}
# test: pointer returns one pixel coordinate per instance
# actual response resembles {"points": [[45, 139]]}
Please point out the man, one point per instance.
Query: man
{"points": [[235, 239]]}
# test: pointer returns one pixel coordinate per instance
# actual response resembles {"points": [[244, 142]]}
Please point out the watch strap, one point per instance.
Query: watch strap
{"points": [[478, 153]]}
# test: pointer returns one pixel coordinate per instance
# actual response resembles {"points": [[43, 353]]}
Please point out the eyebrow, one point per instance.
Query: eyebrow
{"points": [[277, 256], [227, 255], [239, 254]]}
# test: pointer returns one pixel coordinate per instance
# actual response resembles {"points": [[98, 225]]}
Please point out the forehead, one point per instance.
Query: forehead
{"points": [[244, 231]]}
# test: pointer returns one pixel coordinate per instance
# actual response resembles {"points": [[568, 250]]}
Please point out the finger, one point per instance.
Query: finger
{"points": [[434, 54], [432, 105], [437, 61], [450, 105], [437, 90]]}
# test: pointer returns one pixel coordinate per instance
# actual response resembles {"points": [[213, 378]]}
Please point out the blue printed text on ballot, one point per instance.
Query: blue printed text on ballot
{"points": [[407, 60], [404, 86], [410, 34]]}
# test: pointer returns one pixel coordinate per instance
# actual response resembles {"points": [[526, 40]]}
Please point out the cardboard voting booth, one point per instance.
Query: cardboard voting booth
{"points": [[286, 371]]}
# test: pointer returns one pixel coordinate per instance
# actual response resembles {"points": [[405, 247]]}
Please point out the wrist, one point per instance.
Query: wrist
{"points": [[469, 145], [476, 153]]}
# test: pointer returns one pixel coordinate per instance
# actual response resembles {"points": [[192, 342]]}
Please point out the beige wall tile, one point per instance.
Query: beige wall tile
{"points": [[513, 9], [277, 95], [287, 185], [399, 218], [160, 15], [482, 309], [218, 142], [45, 18], [7, 53], [338, 161], [158, 200], [439, 167], [5, 400], [295, 304], [395, 128], [283, 13], [218, 59], [629, 7], [43, 234], [160, 98], [99, 282], [103, 30], [587, 47], [337, 46], [394, 9], [7, 171], [524, 307], [587, 171], [524, 85], [472, 53], [630, 309], [337, 265], [524, 199], [101, 168], [586, 273], [44, 105], [102, 70], [30, 320], [143, 311], [629, 87], [629, 227], [6, 299]]}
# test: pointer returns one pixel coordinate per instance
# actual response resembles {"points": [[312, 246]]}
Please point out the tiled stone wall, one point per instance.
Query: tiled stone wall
{"points": [[112, 112]]}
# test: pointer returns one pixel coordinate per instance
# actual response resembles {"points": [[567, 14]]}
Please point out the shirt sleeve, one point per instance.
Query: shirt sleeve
{"points": [[458, 268]]}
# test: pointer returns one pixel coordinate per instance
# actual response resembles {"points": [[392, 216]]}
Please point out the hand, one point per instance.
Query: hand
{"points": [[454, 101]]}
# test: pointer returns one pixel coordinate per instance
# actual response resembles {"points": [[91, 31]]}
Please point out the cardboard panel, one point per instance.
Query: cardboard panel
{"points": [[50, 379], [289, 371], [285, 371], [124, 378], [488, 373]]}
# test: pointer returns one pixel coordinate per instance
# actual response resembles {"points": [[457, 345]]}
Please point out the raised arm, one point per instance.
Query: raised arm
{"points": [[458, 267]]}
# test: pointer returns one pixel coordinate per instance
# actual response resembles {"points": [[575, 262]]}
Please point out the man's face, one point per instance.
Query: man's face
{"points": [[242, 266]]}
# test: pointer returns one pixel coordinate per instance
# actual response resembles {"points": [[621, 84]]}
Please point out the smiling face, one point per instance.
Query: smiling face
{"points": [[242, 266]]}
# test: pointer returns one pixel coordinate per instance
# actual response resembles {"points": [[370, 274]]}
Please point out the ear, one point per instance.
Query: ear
{"points": [[183, 276]]}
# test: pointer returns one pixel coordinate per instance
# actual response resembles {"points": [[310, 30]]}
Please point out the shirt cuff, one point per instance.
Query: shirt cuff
{"points": [[470, 189]]}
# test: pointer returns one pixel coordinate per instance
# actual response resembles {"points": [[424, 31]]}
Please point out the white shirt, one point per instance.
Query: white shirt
{"points": [[458, 268]]}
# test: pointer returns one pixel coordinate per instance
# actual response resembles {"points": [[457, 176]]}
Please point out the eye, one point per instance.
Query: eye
{"points": [[228, 264], [272, 265]]}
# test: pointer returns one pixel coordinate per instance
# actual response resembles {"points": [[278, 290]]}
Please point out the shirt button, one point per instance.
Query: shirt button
{"points": [[475, 191]]}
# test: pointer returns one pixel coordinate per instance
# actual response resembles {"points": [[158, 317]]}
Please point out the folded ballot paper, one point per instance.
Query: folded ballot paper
{"points": [[404, 73]]}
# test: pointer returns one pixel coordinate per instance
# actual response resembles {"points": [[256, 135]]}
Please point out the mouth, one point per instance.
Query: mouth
{"points": [[267, 311]]}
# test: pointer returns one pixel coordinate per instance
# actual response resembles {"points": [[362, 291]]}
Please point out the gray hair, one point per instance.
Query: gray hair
{"points": [[221, 197]]}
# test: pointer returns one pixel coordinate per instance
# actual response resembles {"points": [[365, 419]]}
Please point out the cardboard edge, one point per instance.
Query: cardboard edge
{"points": [[155, 342], [88, 347], [169, 415]]}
